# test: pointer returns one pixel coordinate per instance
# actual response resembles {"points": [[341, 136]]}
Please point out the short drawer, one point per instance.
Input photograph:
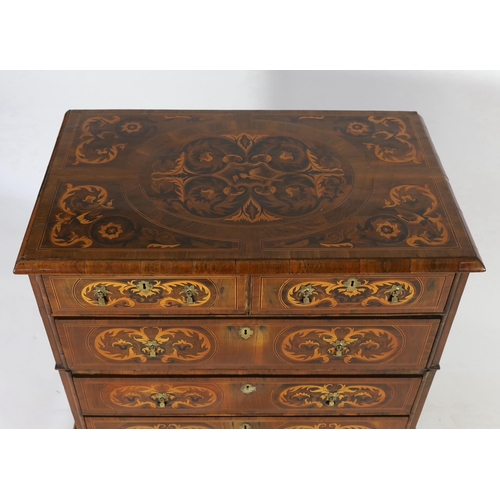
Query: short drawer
{"points": [[232, 346], [100, 296], [246, 396], [247, 423], [346, 295]]}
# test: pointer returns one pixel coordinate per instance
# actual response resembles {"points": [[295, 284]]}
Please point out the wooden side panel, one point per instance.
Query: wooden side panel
{"points": [[246, 396], [246, 423], [235, 346], [48, 320], [69, 388], [175, 295], [343, 295]]}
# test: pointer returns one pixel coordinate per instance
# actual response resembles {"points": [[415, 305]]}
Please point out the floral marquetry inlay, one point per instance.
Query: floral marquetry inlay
{"points": [[155, 344], [164, 396], [320, 396], [333, 293], [346, 345], [250, 178], [329, 426], [168, 426], [175, 293]]}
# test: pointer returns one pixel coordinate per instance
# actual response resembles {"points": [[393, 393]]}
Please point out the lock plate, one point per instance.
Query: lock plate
{"points": [[245, 332]]}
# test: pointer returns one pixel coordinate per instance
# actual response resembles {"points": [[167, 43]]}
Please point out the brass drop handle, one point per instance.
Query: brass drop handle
{"points": [[152, 348], [245, 426], [339, 347], [331, 398], [162, 398], [394, 292], [248, 388], [305, 292], [190, 291], [101, 292]]}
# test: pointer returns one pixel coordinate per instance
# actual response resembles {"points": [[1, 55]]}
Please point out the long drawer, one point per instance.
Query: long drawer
{"points": [[246, 423], [351, 295], [133, 296], [248, 396], [251, 345]]}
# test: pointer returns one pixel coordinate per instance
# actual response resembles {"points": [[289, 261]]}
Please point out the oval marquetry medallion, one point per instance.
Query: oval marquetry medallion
{"points": [[320, 396], [151, 344], [161, 396], [365, 293], [340, 344]]}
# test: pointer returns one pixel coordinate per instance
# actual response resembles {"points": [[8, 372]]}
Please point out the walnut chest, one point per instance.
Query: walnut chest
{"points": [[246, 269]]}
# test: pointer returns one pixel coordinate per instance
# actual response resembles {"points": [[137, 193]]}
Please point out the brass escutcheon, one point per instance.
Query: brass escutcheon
{"points": [[245, 332], [144, 287], [101, 292], [351, 284], [245, 426], [248, 388], [189, 291]]}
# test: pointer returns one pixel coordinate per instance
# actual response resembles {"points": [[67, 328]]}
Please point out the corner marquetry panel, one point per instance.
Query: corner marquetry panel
{"points": [[177, 295]]}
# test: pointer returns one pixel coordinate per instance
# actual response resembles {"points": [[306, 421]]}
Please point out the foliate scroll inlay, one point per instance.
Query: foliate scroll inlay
{"points": [[168, 426], [250, 178], [315, 345], [176, 396], [152, 344], [163, 293], [102, 138], [366, 293], [318, 396]]}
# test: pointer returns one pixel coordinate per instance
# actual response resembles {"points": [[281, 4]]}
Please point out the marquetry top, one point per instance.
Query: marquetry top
{"points": [[273, 191]]}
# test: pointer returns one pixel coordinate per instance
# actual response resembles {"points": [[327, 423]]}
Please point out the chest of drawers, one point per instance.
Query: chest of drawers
{"points": [[246, 269]]}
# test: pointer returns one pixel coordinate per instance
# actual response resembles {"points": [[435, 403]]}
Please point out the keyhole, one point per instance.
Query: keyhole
{"points": [[144, 286], [352, 282], [245, 331]]}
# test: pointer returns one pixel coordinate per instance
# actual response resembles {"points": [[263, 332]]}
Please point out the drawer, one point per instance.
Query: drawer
{"points": [[345, 295], [248, 396], [100, 296], [247, 423], [234, 346]]}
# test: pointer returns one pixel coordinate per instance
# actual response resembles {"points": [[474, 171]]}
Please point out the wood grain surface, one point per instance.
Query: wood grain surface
{"points": [[238, 346]]}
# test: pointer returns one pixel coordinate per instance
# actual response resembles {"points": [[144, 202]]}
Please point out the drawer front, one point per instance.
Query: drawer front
{"points": [[247, 423], [278, 346], [342, 295], [246, 396], [137, 296]]}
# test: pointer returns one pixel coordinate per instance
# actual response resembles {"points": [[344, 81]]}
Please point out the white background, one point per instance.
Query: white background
{"points": [[460, 109]]}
